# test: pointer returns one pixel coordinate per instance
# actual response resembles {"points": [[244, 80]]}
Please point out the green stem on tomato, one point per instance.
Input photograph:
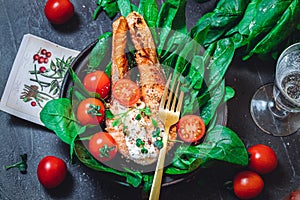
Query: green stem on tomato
{"points": [[21, 165]]}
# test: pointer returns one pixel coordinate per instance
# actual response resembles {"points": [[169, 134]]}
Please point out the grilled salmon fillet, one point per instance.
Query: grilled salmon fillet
{"points": [[152, 85]]}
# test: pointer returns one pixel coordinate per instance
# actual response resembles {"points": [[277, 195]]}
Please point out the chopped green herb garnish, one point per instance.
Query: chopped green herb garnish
{"points": [[116, 122], [138, 117], [158, 144], [109, 114], [144, 150], [156, 133], [154, 123], [147, 111], [139, 142]]}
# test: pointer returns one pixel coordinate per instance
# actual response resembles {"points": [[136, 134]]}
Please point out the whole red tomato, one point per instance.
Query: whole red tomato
{"points": [[103, 146], [263, 159], [51, 171], [98, 82], [90, 111], [59, 11], [247, 184]]}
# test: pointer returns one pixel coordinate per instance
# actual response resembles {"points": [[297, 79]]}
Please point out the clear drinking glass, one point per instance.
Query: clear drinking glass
{"points": [[275, 108]]}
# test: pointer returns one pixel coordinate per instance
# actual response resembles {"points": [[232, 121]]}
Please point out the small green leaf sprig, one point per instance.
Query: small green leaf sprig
{"points": [[21, 165], [119, 117]]}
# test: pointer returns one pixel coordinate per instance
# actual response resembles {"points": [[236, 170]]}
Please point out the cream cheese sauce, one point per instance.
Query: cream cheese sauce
{"points": [[134, 130]]}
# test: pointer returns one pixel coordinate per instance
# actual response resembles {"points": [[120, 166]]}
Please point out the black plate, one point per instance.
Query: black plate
{"points": [[79, 64]]}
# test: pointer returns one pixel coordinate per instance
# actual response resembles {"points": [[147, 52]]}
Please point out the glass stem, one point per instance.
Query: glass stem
{"points": [[277, 111]]}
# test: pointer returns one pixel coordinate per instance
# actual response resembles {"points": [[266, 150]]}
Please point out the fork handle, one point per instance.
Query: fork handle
{"points": [[157, 179]]}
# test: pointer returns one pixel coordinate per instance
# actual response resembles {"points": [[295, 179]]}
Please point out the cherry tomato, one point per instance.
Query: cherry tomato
{"points": [[191, 128], [59, 11], [51, 171], [247, 184], [90, 111], [126, 92], [294, 195], [98, 82], [263, 159], [103, 146]]}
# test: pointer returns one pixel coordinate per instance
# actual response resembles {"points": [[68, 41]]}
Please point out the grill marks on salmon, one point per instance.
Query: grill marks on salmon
{"points": [[152, 85]]}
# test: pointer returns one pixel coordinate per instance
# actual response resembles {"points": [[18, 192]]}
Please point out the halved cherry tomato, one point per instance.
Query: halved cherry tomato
{"points": [[263, 159], [126, 92], [90, 111], [191, 128], [247, 185], [59, 11], [103, 146], [98, 82]]}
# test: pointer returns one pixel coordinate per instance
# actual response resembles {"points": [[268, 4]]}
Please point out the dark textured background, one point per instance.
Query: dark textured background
{"points": [[17, 136]]}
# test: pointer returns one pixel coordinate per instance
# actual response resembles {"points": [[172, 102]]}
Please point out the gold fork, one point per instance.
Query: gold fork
{"points": [[169, 116]]}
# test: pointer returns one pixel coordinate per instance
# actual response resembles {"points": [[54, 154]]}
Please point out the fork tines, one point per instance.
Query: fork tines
{"points": [[171, 96]]}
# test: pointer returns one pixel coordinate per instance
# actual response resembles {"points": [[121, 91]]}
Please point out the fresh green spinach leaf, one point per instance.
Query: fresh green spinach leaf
{"points": [[279, 32], [58, 116], [216, 98], [226, 14], [101, 50], [124, 7], [259, 18], [149, 10], [110, 7], [134, 178], [229, 93], [221, 59], [171, 20], [221, 144]]}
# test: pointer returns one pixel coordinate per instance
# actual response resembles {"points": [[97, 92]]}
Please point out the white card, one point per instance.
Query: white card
{"points": [[32, 83]]}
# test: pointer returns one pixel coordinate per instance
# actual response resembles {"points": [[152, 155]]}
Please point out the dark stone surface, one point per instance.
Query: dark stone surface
{"points": [[18, 136]]}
